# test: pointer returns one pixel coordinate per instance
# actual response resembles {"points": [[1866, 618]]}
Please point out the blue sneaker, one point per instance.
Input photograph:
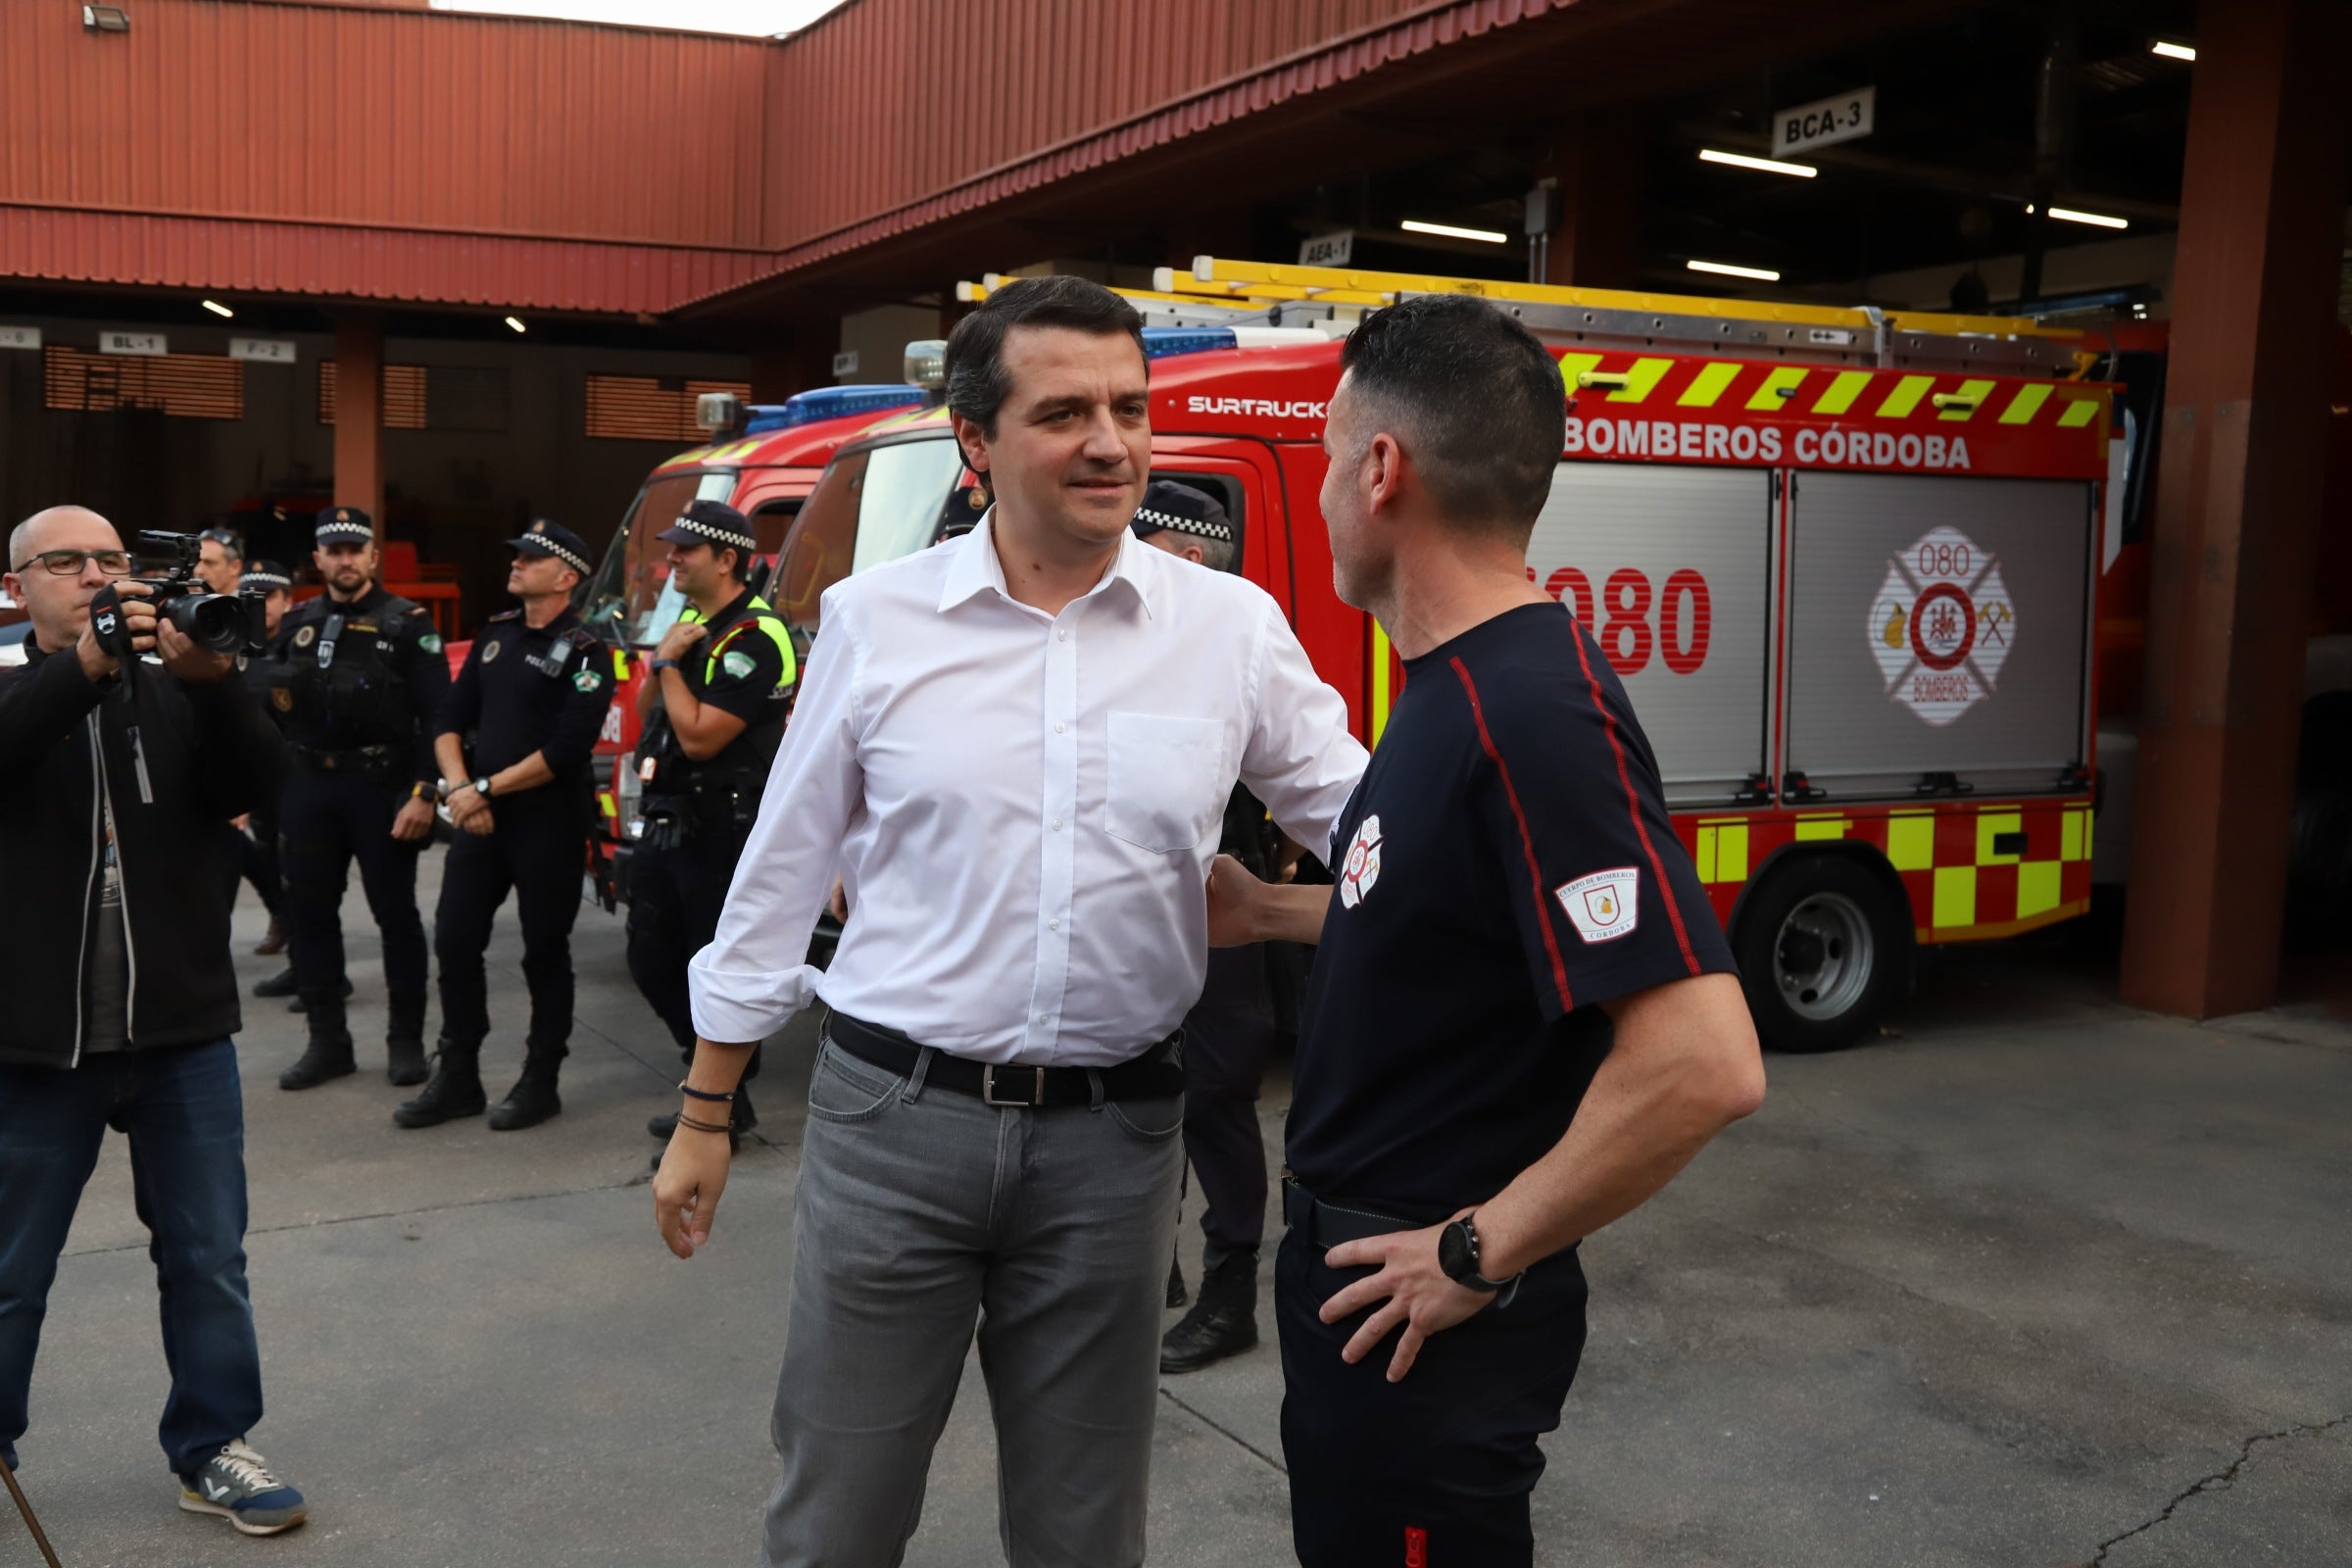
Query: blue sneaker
{"points": [[236, 1484]]}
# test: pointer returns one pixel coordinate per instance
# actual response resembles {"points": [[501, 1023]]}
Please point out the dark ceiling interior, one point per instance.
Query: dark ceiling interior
{"points": [[1946, 176]]}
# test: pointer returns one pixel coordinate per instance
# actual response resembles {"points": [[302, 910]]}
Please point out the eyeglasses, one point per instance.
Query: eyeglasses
{"points": [[69, 563]]}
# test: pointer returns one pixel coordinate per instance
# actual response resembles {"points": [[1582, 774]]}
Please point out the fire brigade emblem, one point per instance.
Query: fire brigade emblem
{"points": [[1605, 905], [1361, 868], [1942, 626]]}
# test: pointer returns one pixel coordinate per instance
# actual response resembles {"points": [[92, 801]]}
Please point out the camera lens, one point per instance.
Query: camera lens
{"points": [[213, 621]]}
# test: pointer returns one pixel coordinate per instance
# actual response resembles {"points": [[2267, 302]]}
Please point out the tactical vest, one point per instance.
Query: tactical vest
{"points": [[726, 788], [336, 687]]}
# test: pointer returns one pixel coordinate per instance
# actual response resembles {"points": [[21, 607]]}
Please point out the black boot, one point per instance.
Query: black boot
{"points": [[456, 1089], [404, 1042], [280, 984], [327, 1056], [1177, 1293], [532, 1099], [1222, 1323]]}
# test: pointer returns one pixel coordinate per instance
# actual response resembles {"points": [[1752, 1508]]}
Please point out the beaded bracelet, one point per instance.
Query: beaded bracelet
{"points": [[706, 1094], [703, 1126]]}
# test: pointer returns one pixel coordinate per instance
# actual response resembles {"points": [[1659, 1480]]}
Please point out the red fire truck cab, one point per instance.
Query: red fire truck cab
{"points": [[763, 462], [1843, 562]]}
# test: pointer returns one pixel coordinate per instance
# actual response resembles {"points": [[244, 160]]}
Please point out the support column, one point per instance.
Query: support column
{"points": [[2237, 503], [359, 413], [1598, 241]]}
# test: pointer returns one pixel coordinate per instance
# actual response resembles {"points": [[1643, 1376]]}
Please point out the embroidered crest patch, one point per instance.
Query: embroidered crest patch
{"points": [[1605, 905], [1361, 868], [586, 680], [736, 662]]}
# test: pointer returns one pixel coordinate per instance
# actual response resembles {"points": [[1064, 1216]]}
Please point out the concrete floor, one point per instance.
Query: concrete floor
{"points": [[2035, 1280]]}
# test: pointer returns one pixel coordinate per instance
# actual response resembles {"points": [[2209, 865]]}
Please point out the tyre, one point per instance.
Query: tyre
{"points": [[1823, 945]]}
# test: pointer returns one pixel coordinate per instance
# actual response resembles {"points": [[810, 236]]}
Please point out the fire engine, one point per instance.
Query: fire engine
{"points": [[1845, 562]]}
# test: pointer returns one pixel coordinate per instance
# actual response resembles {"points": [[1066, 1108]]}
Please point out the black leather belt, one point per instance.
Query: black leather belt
{"points": [[1157, 1074], [1330, 1224]]}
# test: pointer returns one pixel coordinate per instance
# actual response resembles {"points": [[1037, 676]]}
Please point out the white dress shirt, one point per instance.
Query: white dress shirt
{"points": [[1021, 807]]}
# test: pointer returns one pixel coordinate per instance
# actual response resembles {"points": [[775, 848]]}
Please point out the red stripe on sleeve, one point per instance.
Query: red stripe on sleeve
{"points": [[1527, 840], [1633, 806]]}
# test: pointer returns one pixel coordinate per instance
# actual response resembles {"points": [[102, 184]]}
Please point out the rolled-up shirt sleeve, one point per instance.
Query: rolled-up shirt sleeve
{"points": [[756, 973], [1298, 758]]}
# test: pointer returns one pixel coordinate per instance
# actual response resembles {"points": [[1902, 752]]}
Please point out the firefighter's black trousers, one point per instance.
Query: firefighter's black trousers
{"points": [[1435, 1470]]}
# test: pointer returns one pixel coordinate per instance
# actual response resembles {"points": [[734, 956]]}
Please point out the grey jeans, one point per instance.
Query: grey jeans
{"points": [[920, 1212]]}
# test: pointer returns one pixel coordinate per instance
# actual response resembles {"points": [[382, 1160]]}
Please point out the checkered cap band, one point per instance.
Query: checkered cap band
{"points": [[717, 535], [541, 543], [346, 530], [264, 581], [1199, 527]]}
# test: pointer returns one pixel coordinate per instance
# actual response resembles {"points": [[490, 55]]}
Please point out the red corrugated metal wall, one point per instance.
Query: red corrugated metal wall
{"points": [[240, 109], [885, 102]]}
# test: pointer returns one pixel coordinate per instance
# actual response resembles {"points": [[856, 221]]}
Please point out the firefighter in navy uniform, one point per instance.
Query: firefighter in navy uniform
{"points": [[721, 684], [357, 677], [515, 744]]}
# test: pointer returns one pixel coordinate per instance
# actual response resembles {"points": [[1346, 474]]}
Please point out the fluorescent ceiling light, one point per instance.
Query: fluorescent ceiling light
{"points": [[2172, 50], [1759, 273], [1770, 166], [2095, 219], [516, 325], [218, 308], [1413, 225]]}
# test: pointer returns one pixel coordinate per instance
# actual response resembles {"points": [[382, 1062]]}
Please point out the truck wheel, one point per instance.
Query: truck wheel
{"points": [[1821, 947]]}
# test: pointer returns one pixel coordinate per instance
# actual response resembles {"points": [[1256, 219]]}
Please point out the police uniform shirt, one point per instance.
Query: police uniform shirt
{"points": [[1506, 865], [527, 689], [377, 627], [739, 669]]}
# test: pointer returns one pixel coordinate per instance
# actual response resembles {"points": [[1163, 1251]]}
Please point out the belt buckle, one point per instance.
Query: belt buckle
{"points": [[988, 1088]]}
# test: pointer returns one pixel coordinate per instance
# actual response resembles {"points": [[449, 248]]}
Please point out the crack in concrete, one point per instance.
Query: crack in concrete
{"points": [[1224, 1431], [390, 1213], [2218, 1481]]}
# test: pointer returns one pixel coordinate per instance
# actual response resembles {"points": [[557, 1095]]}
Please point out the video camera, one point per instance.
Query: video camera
{"points": [[224, 623]]}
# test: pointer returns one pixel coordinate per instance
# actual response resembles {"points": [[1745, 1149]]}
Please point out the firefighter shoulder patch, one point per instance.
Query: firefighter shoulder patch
{"points": [[1361, 868], [1605, 905]]}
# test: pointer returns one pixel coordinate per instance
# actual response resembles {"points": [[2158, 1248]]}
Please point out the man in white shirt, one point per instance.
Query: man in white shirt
{"points": [[1017, 748]]}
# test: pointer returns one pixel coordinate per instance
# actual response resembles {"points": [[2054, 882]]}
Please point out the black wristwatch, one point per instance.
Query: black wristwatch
{"points": [[1457, 1255]]}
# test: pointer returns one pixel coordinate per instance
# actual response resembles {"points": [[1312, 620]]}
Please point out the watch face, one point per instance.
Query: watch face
{"points": [[1454, 1253]]}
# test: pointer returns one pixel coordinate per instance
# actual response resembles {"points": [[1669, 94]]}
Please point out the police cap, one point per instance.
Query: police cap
{"points": [[545, 538], [264, 576], [345, 523], [1168, 505], [714, 523]]}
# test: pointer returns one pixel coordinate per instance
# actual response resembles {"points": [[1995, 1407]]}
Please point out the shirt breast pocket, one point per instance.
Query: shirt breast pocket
{"points": [[1166, 784]]}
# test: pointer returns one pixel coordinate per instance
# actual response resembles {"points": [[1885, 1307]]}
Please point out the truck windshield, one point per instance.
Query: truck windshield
{"points": [[630, 601], [870, 507]]}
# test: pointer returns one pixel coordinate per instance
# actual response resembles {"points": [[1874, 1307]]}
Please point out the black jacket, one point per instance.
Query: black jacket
{"points": [[175, 761]]}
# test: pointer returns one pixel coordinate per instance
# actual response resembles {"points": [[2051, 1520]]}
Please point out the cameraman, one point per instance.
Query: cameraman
{"points": [[113, 787]]}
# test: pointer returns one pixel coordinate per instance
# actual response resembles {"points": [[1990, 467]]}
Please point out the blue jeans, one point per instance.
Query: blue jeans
{"points": [[186, 1118]]}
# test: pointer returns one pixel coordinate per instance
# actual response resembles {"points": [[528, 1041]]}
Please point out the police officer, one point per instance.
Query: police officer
{"points": [[1230, 1030], [254, 838], [357, 677], [714, 713], [514, 744]]}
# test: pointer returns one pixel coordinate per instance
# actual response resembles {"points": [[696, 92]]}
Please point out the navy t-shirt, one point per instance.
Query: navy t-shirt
{"points": [[1506, 865]]}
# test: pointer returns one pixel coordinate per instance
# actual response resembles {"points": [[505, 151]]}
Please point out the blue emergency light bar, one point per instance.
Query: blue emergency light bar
{"points": [[1161, 341], [828, 402]]}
